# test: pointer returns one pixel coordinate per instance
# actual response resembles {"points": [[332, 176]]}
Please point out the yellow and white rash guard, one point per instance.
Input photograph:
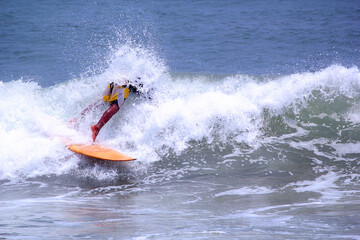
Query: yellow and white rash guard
{"points": [[116, 93]]}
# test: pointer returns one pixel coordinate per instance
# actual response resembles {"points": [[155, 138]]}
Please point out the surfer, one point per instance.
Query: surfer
{"points": [[115, 94]]}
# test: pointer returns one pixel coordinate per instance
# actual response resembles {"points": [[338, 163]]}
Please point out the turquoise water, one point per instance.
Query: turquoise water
{"points": [[250, 128]]}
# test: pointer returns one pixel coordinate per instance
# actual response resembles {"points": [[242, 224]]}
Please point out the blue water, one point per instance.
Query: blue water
{"points": [[250, 128], [51, 42]]}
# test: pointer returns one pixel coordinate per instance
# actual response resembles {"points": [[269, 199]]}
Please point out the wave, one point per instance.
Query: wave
{"points": [[185, 111]]}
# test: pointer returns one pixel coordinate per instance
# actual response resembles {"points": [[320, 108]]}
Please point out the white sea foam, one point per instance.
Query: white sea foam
{"points": [[325, 185], [246, 191]]}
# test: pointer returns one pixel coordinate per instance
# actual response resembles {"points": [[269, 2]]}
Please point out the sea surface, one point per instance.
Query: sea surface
{"points": [[247, 124]]}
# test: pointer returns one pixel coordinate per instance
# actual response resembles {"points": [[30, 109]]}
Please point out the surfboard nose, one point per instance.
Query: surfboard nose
{"points": [[99, 152]]}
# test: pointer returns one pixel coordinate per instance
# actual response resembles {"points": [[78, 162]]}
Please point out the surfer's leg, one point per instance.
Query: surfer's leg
{"points": [[114, 108]]}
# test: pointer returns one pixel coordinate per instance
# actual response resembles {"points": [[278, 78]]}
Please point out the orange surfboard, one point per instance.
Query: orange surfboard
{"points": [[100, 152]]}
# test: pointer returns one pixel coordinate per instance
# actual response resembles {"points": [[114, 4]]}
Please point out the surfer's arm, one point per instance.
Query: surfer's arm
{"points": [[91, 107], [86, 110]]}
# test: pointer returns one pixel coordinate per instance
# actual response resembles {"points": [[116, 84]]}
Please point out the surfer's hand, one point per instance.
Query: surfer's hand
{"points": [[72, 122]]}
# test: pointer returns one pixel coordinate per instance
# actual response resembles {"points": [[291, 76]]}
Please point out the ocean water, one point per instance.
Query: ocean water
{"points": [[247, 125]]}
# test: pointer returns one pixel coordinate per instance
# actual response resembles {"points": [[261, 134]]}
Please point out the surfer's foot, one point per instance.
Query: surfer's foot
{"points": [[95, 131]]}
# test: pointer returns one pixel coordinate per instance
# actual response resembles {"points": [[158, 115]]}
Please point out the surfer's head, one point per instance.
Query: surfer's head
{"points": [[123, 81]]}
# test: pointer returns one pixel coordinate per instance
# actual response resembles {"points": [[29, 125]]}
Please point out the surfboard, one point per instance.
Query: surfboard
{"points": [[99, 152]]}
